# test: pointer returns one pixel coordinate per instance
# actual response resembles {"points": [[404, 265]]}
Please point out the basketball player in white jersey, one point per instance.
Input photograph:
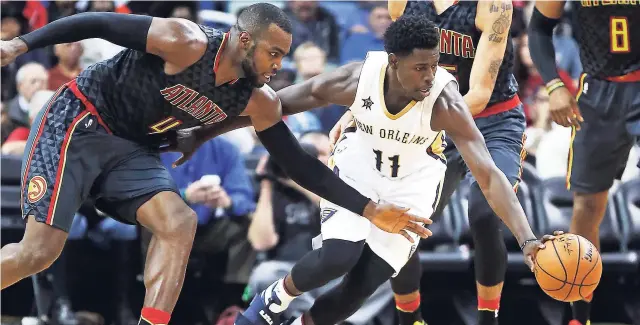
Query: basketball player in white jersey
{"points": [[402, 104]]}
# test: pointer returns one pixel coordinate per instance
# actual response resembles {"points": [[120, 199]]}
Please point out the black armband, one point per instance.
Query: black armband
{"points": [[541, 45], [308, 171], [129, 31]]}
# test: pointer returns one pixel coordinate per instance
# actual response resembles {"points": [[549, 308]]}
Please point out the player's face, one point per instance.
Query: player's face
{"points": [[417, 71], [264, 58]]}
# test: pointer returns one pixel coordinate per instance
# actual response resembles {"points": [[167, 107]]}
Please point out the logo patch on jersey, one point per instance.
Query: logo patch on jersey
{"points": [[193, 103], [367, 103], [326, 214], [37, 188]]}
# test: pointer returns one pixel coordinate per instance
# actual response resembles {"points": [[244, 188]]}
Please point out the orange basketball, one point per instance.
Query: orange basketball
{"points": [[568, 268]]}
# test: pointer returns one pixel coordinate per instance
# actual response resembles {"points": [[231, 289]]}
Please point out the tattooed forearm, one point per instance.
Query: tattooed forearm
{"points": [[501, 24], [494, 68]]}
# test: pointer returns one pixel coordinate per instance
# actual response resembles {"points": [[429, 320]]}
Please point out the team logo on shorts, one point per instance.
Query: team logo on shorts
{"points": [[326, 214], [37, 188]]}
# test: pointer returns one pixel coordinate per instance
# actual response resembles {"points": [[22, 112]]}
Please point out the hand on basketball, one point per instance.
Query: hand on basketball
{"points": [[564, 108], [532, 247], [184, 141], [338, 129], [396, 220], [10, 50]]}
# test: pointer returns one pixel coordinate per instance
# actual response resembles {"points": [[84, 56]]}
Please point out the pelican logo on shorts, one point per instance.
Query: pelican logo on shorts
{"points": [[37, 188], [326, 214]]}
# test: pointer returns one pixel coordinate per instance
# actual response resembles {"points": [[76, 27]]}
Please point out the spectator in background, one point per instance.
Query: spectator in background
{"points": [[68, 66], [13, 24], [232, 196], [61, 8], [97, 49], [358, 44], [30, 78], [310, 61], [283, 226], [312, 23], [321, 142], [186, 10], [17, 140]]}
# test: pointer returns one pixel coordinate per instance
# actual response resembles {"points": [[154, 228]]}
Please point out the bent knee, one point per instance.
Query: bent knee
{"points": [[339, 257], [178, 222], [39, 256], [590, 206]]}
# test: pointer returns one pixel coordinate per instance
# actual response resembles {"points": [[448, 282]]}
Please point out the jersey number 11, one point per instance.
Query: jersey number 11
{"points": [[395, 163]]}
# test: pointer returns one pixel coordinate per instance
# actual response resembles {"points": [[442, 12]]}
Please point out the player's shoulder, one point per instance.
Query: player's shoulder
{"points": [[264, 94], [263, 100]]}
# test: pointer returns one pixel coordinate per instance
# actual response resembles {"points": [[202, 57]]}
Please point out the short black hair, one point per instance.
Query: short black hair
{"points": [[410, 32], [258, 17]]}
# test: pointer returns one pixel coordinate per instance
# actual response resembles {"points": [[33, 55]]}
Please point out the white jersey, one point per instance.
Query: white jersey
{"points": [[395, 144], [387, 158]]}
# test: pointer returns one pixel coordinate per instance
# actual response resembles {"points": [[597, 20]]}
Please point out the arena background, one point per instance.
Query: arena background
{"points": [[98, 278]]}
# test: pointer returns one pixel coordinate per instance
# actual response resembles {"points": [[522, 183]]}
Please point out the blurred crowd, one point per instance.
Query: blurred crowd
{"points": [[251, 216]]}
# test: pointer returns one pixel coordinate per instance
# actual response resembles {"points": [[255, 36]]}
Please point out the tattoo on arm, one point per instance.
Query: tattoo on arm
{"points": [[501, 24], [494, 68]]}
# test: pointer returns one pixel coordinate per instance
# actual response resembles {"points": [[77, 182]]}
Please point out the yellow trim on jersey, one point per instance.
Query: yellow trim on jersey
{"points": [[573, 136], [384, 106]]}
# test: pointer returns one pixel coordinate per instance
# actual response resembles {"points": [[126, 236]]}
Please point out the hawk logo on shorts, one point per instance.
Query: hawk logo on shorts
{"points": [[326, 214], [37, 188]]}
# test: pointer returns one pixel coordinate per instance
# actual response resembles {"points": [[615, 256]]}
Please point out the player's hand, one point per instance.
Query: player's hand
{"points": [[532, 247], [396, 220], [338, 129], [10, 50], [564, 108], [184, 141]]}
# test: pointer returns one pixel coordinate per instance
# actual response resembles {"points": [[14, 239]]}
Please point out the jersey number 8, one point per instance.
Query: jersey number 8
{"points": [[619, 34]]}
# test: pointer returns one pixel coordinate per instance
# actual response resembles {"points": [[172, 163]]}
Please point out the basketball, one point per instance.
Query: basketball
{"points": [[568, 268]]}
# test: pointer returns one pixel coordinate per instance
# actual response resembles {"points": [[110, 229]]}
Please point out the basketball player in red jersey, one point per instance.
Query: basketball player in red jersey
{"points": [[606, 113], [100, 135]]}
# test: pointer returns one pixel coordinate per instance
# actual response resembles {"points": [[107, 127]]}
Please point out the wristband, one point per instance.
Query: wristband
{"points": [[526, 242], [183, 194], [554, 86]]}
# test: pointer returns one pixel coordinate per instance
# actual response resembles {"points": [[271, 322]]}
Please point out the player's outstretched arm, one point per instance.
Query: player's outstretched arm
{"points": [[494, 19], [265, 113], [338, 86], [335, 87], [178, 41], [451, 114]]}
